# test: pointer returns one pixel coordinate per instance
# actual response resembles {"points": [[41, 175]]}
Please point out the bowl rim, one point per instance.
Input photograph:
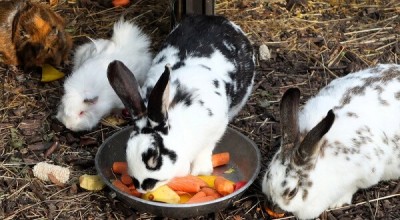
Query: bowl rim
{"points": [[168, 205]]}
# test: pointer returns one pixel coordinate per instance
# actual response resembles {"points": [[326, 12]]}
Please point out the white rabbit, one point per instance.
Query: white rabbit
{"points": [[88, 95], [208, 66], [345, 138]]}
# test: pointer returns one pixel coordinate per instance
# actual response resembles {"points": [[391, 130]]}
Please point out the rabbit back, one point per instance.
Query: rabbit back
{"points": [[345, 138]]}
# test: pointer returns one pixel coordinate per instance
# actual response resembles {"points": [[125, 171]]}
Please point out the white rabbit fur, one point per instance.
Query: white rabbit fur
{"points": [[199, 100], [88, 80], [359, 150]]}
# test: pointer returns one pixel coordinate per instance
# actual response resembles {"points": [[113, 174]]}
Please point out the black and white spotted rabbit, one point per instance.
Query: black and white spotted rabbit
{"points": [[198, 82], [345, 138]]}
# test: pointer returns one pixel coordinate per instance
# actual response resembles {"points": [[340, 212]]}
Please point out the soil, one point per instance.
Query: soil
{"points": [[310, 44]]}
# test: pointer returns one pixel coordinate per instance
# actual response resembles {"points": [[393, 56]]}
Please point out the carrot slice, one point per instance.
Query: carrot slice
{"points": [[190, 184], [224, 186], [211, 192], [122, 187], [126, 179], [196, 196], [274, 214], [120, 167], [120, 2], [134, 191], [201, 199], [220, 159]]}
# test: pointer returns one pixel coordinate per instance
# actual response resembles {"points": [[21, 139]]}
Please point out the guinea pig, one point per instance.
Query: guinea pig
{"points": [[32, 34]]}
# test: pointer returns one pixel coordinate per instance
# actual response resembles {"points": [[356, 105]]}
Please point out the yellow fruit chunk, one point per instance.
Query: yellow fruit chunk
{"points": [[162, 194], [49, 73], [185, 197], [91, 182], [209, 180]]}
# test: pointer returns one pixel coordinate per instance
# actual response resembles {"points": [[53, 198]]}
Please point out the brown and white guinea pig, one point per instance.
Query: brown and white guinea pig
{"points": [[32, 34]]}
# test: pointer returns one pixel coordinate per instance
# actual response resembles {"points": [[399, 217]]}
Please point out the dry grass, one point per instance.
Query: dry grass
{"points": [[309, 47]]}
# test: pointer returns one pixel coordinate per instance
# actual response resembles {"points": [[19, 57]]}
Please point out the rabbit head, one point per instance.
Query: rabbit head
{"points": [[77, 111], [150, 162], [39, 36], [288, 179]]}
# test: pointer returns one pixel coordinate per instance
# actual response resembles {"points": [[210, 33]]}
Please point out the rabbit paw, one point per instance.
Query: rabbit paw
{"points": [[202, 165], [346, 199]]}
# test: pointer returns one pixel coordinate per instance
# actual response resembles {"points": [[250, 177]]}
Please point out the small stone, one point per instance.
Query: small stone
{"points": [[265, 53]]}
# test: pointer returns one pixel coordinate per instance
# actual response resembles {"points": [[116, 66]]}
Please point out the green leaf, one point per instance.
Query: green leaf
{"points": [[17, 140]]}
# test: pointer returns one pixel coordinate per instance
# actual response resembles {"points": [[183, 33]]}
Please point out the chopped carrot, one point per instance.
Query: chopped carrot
{"points": [[120, 2], [190, 184], [274, 214], [121, 186], [126, 179], [134, 191], [220, 159], [200, 199], [223, 186], [211, 192], [197, 196], [120, 167]]}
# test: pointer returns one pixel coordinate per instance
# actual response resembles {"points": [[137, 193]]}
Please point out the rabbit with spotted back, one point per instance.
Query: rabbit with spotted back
{"points": [[345, 138], [88, 95], [198, 82], [32, 34]]}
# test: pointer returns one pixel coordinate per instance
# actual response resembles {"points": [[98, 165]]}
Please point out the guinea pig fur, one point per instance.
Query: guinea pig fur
{"points": [[32, 34]]}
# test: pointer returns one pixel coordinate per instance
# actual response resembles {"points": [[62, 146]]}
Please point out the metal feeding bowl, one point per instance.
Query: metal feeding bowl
{"points": [[244, 166]]}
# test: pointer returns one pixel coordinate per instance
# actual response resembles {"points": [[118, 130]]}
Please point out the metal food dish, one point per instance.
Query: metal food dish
{"points": [[245, 161]]}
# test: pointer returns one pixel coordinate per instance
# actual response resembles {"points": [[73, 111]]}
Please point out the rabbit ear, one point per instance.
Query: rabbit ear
{"points": [[127, 88], [310, 144], [159, 98], [289, 108]]}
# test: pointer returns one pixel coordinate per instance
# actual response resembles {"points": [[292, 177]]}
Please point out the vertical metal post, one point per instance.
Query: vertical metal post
{"points": [[181, 8]]}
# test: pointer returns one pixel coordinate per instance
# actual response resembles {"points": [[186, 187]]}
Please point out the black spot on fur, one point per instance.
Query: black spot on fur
{"points": [[182, 96], [210, 113], [136, 182], [201, 102], [216, 92], [205, 67], [305, 194], [160, 60], [216, 83], [149, 183], [178, 65], [283, 184], [153, 157]]}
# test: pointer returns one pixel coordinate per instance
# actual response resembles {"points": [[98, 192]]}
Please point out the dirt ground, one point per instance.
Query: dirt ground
{"points": [[310, 43]]}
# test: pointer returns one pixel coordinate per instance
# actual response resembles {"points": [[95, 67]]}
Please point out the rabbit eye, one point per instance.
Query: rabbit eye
{"points": [[81, 113]]}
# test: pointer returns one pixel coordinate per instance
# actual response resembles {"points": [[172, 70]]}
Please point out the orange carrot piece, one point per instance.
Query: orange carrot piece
{"points": [[197, 196], [126, 179], [120, 167], [220, 159], [223, 186], [201, 199], [211, 192], [122, 187], [134, 191], [120, 2], [190, 184], [274, 214]]}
